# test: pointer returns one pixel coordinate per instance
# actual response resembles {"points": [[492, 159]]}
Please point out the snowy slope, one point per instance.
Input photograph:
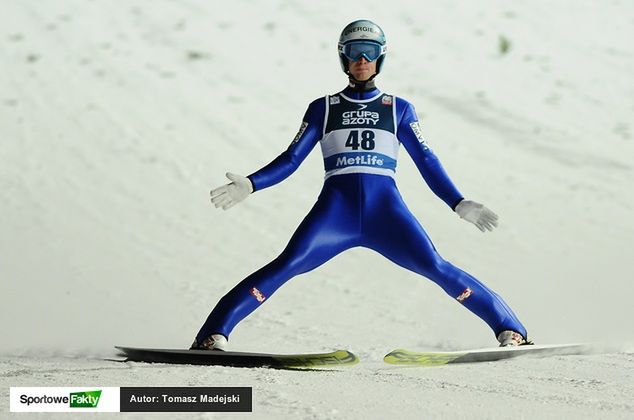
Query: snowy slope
{"points": [[118, 117]]}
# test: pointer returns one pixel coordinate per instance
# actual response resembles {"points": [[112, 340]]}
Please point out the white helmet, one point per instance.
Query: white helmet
{"points": [[362, 38]]}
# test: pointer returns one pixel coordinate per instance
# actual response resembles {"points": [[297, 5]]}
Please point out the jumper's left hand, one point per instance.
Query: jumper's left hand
{"points": [[478, 214]]}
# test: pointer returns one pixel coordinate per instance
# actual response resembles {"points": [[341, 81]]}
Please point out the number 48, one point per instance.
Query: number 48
{"points": [[366, 143]]}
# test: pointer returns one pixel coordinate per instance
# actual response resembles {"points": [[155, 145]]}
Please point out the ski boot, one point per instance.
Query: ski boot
{"points": [[510, 338], [216, 342]]}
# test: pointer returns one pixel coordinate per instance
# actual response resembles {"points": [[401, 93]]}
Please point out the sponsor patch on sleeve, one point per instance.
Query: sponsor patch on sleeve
{"points": [[302, 128], [419, 133]]}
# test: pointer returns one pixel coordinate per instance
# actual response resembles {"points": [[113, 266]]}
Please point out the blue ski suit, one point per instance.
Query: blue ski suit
{"points": [[359, 205]]}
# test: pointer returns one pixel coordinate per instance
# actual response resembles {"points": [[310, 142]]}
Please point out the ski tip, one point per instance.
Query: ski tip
{"points": [[348, 356], [333, 359], [394, 352], [412, 358]]}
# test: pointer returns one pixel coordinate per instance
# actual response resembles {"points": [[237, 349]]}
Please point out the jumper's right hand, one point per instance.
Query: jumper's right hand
{"points": [[231, 194]]}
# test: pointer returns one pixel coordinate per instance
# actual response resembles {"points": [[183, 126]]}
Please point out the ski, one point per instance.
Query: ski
{"points": [[435, 358], [240, 359]]}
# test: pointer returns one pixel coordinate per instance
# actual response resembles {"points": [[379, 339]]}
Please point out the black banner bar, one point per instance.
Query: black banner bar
{"points": [[186, 399]]}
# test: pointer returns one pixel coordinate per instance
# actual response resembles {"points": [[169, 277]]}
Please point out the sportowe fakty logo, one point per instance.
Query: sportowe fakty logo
{"points": [[82, 399]]}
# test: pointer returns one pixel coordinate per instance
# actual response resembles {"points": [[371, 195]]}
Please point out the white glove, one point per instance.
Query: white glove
{"points": [[477, 214], [231, 194]]}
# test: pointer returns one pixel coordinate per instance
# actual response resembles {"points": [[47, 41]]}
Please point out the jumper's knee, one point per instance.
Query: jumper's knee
{"points": [[445, 274]]}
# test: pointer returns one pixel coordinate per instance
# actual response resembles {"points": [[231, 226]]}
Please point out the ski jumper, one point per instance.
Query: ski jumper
{"points": [[359, 205]]}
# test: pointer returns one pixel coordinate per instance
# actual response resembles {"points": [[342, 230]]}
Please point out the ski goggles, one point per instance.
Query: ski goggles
{"points": [[369, 50]]}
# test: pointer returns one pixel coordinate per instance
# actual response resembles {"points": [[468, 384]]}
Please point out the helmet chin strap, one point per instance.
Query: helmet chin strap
{"points": [[361, 85]]}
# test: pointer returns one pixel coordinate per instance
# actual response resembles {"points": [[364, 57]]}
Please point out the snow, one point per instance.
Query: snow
{"points": [[118, 117]]}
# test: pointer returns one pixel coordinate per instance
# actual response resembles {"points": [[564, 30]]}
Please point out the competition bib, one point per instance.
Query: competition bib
{"points": [[360, 135]]}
